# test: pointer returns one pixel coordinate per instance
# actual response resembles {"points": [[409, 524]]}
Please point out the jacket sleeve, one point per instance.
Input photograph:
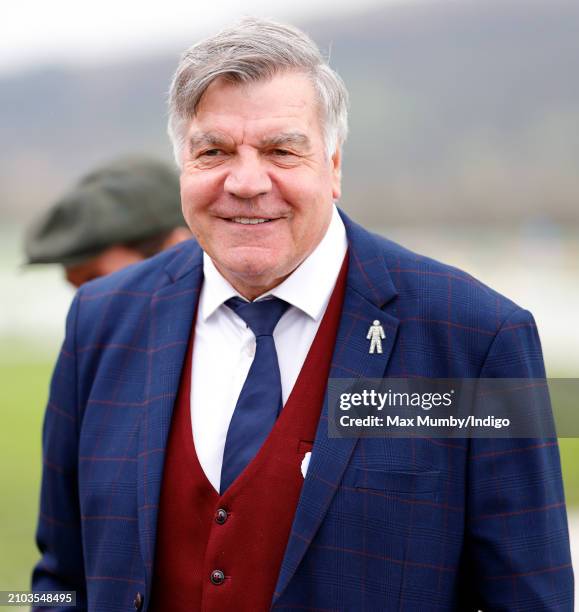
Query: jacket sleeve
{"points": [[517, 537], [58, 535]]}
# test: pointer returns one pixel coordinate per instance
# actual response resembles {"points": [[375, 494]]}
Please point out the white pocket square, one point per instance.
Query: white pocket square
{"points": [[306, 463]]}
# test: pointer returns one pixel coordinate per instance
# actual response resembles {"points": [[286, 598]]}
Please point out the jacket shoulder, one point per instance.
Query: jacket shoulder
{"points": [[112, 306], [445, 287]]}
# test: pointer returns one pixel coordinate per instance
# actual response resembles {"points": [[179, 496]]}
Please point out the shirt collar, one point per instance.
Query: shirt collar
{"points": [[309, 287]]}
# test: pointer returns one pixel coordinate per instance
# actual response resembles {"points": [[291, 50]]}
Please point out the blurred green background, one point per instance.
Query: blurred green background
{"points": [[464, 146]]}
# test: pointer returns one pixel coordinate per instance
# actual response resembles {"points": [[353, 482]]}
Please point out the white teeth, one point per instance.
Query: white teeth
{"points": [[248, 221]]}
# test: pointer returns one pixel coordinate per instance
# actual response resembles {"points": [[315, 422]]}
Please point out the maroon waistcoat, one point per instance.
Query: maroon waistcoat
{"points": [[219, 553]]}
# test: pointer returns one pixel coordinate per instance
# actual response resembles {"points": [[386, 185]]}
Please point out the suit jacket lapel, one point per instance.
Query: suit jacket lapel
{"points": [[170, 320], [369, 287]]}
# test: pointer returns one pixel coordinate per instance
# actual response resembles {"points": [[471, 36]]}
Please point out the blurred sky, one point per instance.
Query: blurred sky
{"points": [[38, 32]]}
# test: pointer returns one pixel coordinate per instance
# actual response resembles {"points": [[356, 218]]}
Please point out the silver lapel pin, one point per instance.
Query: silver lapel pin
{"points": [[375, 335]]}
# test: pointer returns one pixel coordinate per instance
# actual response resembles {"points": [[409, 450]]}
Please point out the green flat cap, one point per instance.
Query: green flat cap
{"points": [[128, 200]]}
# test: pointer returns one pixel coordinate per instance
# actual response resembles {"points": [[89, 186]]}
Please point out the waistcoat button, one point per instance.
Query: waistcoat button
{"points": [[217, 577], [138, 603], [221, 516]]}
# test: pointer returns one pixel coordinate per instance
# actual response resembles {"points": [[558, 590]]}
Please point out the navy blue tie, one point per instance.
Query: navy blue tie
{"points": [[260, 400]]}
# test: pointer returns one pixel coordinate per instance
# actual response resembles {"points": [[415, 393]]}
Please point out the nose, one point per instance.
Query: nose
{"points": [[248, 176]]}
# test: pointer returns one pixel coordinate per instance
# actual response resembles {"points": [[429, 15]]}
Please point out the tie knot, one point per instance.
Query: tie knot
{"points": [[261, 317]]}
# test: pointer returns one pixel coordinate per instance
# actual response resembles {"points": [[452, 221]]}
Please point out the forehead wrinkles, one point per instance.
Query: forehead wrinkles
{"points": [[288, 99]]}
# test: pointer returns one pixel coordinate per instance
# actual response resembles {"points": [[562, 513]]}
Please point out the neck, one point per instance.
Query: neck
{"points": [[250, 288], [250, 292]]}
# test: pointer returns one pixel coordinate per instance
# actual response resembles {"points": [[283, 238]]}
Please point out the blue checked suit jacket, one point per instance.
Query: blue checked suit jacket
{"points": [[382, 524]]}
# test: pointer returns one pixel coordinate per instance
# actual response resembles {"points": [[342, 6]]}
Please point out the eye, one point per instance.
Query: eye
{"points": [[211, 153], [281, 152]]}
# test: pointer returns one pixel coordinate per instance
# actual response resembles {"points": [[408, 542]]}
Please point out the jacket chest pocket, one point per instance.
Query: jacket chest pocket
{"points": [[377, 522], [404, 482], [392, 502]]}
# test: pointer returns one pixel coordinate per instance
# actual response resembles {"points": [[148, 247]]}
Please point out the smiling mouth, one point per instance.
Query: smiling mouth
{"points": [[250, 220]]}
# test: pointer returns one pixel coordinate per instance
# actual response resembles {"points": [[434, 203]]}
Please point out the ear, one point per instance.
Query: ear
{"points": [[336, 169]]}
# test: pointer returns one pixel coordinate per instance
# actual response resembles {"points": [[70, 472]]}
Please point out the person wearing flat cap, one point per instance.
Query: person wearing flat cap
{"points": [[117, 215]]}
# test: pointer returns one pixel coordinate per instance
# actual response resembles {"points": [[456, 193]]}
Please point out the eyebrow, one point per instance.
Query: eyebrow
{"points": [[295, 139], [203, 139], [213, 139]]}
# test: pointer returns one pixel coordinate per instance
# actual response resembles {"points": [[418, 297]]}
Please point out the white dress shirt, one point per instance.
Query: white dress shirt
{"points": [[224, 346]]}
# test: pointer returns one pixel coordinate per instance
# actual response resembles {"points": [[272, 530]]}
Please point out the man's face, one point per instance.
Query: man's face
{"points": [[112, 259], [257, 186]]}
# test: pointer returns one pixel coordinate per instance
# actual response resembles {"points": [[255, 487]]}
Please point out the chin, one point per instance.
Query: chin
{"points": [[256, 273], [253, 262]]}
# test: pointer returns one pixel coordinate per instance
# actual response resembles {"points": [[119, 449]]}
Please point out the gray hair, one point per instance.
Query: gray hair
{"points": [[254, 50]]}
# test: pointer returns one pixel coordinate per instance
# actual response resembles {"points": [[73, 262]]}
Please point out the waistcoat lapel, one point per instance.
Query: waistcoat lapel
{"points": [[369, 288], [170, 320]]}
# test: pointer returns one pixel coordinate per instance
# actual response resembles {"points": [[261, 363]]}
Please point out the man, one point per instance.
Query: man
{"points": [[173, 480], [117, 215]]}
